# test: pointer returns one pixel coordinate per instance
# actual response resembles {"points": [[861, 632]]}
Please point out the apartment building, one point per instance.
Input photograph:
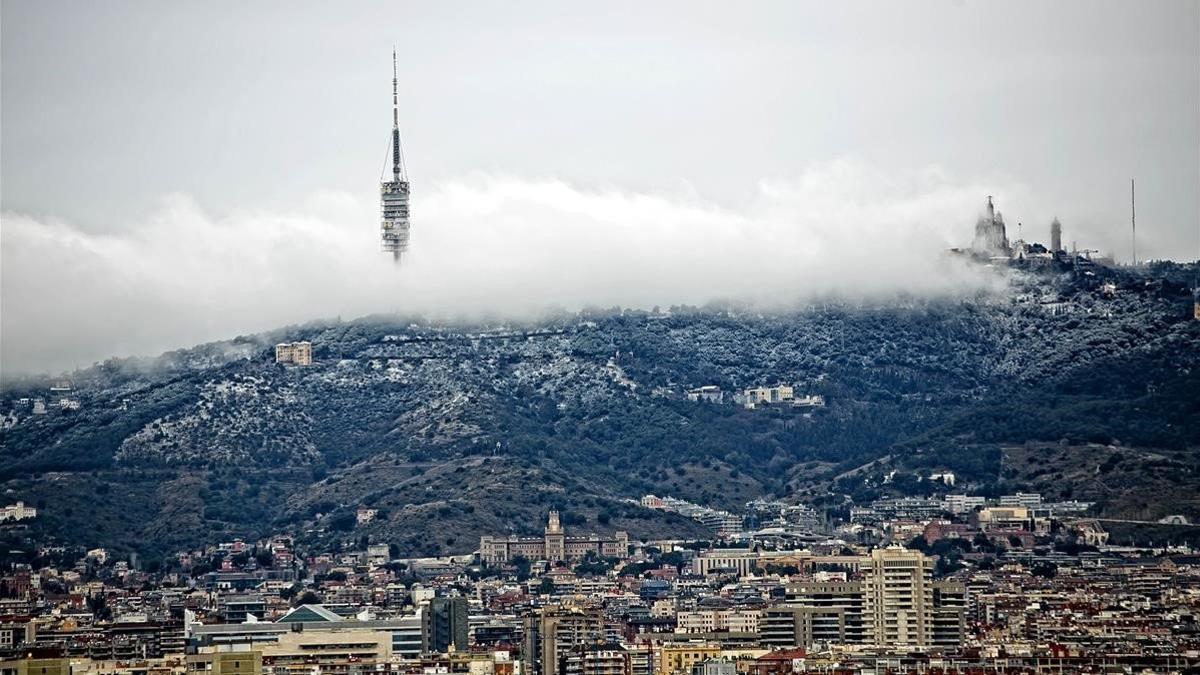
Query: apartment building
{"points": [[898, 597], [603, 659], [704, 621], [295, 353], [680, 658], [817, 612], [552, 632]]}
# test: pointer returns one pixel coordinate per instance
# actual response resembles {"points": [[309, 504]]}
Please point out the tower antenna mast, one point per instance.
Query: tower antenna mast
{"points": [[1133, 220], [395, 119]]}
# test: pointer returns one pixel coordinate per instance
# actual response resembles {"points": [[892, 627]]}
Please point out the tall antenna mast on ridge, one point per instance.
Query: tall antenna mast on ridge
{"points": [[1133, 220], [393, 194]]}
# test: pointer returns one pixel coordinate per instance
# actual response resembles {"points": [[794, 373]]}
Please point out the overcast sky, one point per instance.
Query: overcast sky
{"points": [[186, 171]]}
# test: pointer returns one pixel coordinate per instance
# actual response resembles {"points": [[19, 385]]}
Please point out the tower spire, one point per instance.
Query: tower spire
{"points": [[395, 120]]}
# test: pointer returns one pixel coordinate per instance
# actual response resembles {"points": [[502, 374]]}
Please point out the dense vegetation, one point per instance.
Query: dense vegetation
{"points": [[481, 428]]}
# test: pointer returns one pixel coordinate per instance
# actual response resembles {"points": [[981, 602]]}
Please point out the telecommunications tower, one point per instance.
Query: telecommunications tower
{"points": [[394, 225]]}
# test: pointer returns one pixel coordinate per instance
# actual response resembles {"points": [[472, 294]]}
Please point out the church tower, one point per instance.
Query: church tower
{"points": [[556, 548], [991, 240]]}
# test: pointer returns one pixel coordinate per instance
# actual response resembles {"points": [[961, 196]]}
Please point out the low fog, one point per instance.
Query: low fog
{"points": [[500, 245], [175, 173]]}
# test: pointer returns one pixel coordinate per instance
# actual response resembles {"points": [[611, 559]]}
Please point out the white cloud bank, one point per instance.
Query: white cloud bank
{"points": [[484, 243]]}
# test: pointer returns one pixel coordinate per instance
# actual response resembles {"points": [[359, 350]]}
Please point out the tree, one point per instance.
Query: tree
{"points": [[98, 604], [636, 569], [984, 544], [342, 522], [593, 565], [1044, 569], [674, 559], [521, 565], [308, 598]]}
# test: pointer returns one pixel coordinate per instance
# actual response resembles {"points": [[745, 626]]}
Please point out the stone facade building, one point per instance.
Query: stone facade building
{"points": [[554, 545], [298, 353]]}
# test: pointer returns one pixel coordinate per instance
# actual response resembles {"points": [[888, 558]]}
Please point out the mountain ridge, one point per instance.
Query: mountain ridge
{"points": [[480, 429]]}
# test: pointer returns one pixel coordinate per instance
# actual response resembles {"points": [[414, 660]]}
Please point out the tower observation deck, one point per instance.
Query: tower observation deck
{"points": [[393, 194]]}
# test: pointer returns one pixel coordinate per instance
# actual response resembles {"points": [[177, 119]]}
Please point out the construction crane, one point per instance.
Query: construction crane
{"points": [[393, 194]]}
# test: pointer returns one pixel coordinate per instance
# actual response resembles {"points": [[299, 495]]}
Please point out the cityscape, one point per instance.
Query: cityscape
{"points": [[683, 356], [957, 583]]}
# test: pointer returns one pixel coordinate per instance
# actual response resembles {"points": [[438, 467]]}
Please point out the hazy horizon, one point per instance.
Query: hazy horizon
{"points": [[177, 174]]}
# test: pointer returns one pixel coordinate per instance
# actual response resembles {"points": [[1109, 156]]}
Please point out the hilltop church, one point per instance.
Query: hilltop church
{"points": [[990, 238]]}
